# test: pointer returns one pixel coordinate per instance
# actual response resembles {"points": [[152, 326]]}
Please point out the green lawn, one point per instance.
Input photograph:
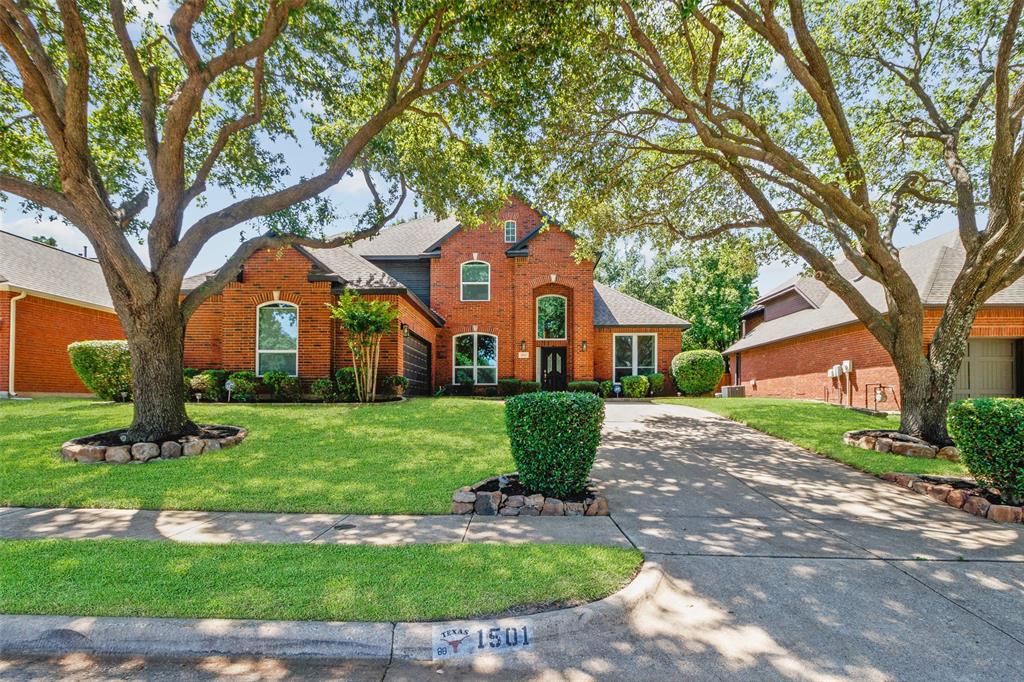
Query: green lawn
{"points": [[820, 427], [302, 582], [391, 458]]}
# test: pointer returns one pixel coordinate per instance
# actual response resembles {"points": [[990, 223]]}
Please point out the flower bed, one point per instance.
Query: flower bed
{"points": [[961, 494], [505, 496], [108, 446], [881, 440]]}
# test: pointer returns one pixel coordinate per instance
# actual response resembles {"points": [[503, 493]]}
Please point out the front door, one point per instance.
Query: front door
{"points": [[552, 369]]}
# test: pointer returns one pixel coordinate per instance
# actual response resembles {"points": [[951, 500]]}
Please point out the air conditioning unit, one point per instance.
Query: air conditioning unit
{"points": [[734, 391]]}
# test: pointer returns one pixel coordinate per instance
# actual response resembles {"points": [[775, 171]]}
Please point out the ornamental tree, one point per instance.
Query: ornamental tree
{"points": [[131, 130], [818, 126], [365, 322]]}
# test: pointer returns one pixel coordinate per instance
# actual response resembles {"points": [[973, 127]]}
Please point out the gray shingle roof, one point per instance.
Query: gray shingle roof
{"points": [[353, 268], [933, 266], [613, 308], [25, 264], [411, 238]]}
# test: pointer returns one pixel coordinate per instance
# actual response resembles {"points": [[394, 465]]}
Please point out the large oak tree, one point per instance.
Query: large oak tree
{"points": [[823, 125], [172, 134]]}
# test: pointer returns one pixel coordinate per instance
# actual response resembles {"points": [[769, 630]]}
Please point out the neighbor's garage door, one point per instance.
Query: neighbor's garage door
{"points": [[417, 365], [987, 369]]}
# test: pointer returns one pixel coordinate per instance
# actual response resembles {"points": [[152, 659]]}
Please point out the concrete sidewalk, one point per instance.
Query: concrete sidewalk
{"points": [[342, 529]]}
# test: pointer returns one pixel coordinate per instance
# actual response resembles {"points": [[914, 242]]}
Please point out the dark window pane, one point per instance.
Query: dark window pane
{"points": [[476, 272], [280, 362], [475, 292], [645, 351], [487, 350], [550, 317], [622, 372], [487, 375], [464, 351], [463, 375], [624, 351], [279, 327]]}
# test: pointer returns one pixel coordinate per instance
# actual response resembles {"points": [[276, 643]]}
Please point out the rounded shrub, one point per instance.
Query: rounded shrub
{"points": [[324, 389], [585, 387], [509, 386], [607, 388], [634, 386], [529, 386], [554, 438], [698, 371], [989, 432], [244, 386], [346, 380], [204, 386], [656, 382], [105, 367]]}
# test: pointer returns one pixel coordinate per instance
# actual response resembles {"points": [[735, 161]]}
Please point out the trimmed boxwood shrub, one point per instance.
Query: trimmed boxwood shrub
{"points": [[585, 387], [205, 386], [219, 377], [245, 385], [698, 371], [509, 386], [554, 438], [656, 382], [274, 380], [607, 388], [989, 432], [634, 386], [395, 384], [529, 386], [346, 380], [290, 390], [105, 367], [324, 389]]}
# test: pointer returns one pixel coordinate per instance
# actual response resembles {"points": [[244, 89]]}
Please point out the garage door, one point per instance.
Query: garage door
{"points": [[987, 370], [416, 352]]}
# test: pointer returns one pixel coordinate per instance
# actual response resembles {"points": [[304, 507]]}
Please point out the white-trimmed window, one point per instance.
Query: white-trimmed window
{"points": [[475, 279], [277, 338], [510, 231], [475, 359], [634, 354], [551, 310]]}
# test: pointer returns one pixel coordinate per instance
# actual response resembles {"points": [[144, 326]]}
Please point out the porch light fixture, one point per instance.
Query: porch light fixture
{"points": [[405, 330], [522, 345], [583, 346]]}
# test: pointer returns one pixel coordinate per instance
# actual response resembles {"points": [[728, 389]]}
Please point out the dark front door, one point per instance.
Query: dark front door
{"points": [[416, 358], [552, 369]]}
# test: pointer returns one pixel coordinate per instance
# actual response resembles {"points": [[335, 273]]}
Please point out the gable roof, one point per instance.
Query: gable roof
{"points": [[414, 238], [932, 265], [612, 308], [47, 270]]}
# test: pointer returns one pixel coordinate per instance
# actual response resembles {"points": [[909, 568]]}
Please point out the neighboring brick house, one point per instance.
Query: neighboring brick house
{"points": [[496, 301], [796, 333], [49, 298]]}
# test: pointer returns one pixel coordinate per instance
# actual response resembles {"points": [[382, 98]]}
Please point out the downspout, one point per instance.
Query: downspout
{"points": [[12, 331]]}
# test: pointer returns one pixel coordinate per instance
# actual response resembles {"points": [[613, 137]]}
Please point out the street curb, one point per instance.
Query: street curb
{"points": [[189, 638]]}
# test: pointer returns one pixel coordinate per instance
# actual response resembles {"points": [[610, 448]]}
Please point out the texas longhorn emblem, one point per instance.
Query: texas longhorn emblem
{"points": [[454, 643]]}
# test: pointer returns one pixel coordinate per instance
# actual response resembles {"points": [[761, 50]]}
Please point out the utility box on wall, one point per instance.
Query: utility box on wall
{"points": [[734, 391]]}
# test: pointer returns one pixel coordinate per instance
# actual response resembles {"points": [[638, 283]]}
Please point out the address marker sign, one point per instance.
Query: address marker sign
{"points": [[464, 642]]}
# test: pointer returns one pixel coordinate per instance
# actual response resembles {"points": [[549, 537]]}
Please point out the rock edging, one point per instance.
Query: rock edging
{"points": [[79, 449], [471, 499], [899, 444], [958, 494]]}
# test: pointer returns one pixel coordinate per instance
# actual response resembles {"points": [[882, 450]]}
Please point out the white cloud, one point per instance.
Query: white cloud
{"points": [[68, 238]]}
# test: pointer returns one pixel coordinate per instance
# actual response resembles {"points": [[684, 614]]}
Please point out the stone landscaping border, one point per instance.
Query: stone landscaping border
{"points": [[470, 499], [78, 450], [897, 443], [957, 493]]}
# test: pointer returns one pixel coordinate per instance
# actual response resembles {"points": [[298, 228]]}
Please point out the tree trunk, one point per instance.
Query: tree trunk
{"points": [[924, 398], [155, 336]]}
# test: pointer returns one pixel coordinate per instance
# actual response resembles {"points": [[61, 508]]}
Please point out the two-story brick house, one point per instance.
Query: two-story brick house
{"points": [[504, 300]]}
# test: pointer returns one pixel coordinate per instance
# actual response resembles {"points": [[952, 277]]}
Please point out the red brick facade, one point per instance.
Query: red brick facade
{"points": [[797, 367], [44, 328], [222, 332]]}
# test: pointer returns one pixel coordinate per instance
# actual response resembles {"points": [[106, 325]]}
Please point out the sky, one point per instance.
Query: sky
{"points": [[350, 196]]}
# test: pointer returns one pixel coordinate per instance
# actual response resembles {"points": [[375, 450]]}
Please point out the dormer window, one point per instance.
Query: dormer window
{"points": [[476, 281], [510, 232]]}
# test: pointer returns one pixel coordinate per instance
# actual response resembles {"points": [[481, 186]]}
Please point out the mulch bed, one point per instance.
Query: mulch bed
{"points": [[113, 438]]}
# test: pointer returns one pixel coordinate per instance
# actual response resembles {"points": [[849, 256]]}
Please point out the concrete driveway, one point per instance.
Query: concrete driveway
{"points": [[778, 564]]}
